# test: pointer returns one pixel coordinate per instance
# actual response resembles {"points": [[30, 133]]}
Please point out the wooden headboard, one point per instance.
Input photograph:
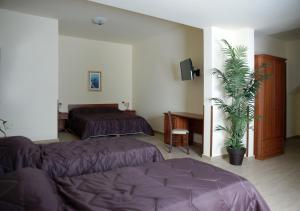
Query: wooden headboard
{"points": [[112, 105]]}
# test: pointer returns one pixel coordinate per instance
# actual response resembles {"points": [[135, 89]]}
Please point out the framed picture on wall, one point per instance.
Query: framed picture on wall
{"points": [[95, 81]]}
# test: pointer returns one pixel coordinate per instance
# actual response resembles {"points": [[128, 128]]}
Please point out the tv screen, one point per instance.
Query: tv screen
{"points": [[186, 67]]}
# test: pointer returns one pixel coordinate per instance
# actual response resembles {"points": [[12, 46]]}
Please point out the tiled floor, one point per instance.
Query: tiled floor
{"points": [[277, 179]]}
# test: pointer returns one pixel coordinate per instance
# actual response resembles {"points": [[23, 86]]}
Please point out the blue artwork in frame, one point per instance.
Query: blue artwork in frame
{"points": [[95, 81]]}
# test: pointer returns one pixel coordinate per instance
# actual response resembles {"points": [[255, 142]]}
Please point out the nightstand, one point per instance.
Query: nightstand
{"points": [[130, 112], [62, 120]]}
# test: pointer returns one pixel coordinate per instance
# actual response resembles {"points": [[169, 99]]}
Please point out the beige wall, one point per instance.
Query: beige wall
{"points": [[293, 86], [78, 56], [268, 45], [157, 84], [293, 65], [297, 114], [29, 74]]}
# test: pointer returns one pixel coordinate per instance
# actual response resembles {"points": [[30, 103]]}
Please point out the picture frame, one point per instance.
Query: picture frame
{"points": [[95, 81]]}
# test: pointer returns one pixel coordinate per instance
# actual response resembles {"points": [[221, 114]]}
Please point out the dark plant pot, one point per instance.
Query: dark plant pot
{"points": [[236, 156]]}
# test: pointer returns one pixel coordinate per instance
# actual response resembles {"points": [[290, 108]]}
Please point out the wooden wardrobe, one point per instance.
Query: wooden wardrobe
{"points": [[270, 108]]}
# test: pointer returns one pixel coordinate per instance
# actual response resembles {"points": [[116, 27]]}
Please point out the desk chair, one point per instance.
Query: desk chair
{"points": [[177, 131]]}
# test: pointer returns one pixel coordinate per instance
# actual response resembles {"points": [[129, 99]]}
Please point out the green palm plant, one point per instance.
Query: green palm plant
{"points": [[240, 88]]}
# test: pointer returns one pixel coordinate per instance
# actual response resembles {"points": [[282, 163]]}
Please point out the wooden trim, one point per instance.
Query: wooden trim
{"points": [[112, 105], [211, 129], [130, 111]]}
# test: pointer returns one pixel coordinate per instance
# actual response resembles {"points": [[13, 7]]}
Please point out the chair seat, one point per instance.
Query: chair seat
{"points": [[180, 131]]}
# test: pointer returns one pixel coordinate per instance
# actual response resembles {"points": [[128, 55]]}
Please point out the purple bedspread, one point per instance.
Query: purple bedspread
{"points": [[171, 185], [85, 124], [75, 157], [96, 155]]}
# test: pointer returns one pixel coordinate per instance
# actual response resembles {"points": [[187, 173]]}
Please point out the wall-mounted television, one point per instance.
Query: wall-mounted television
{"points": [[187, 70]]}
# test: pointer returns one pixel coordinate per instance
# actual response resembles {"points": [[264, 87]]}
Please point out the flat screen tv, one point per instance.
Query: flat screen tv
{"points": [[187, 70]]}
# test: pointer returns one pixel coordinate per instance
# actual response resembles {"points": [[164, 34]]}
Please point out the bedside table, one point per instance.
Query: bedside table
{"points": [[62, 120], [130, 112]]}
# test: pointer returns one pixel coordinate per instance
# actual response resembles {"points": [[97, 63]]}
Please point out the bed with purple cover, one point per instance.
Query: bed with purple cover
{"points": [[171, 185], [75, 157], [103, 120]]}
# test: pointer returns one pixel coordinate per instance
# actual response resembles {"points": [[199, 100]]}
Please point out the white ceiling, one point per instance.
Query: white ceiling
{"points": [[265, 16], [75, 19]]}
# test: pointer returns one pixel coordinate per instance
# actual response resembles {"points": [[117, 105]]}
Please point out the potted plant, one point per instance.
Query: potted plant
{"points": [[240, 87]]}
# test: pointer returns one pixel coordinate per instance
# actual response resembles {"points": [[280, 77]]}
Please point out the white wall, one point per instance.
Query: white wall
{"points": [[78, 56], [157, 84], [29, 74], [214, 58]]}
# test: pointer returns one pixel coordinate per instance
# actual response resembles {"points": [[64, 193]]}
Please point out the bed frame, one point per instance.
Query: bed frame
{"points": [[111, 105]]}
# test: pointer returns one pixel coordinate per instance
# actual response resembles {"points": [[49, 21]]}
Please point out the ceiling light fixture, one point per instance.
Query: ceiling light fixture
{"points": [[99, 20]]}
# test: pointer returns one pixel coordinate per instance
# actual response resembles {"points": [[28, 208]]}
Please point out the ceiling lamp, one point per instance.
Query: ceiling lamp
{"points": [[99, 20]]}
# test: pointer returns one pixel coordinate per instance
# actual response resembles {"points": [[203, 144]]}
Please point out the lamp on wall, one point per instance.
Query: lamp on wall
{"points": [[2, 130], [124, 106]]}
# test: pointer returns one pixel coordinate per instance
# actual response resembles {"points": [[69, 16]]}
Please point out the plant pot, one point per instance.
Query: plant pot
{"points": [[236, 156]]}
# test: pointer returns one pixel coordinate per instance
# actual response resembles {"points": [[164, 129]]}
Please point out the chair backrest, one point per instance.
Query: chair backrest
{"points": [[170, 120]]}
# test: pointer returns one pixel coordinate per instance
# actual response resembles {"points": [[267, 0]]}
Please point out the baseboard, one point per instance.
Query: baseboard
{"points": [[224, 156], [206, 157], [293, 137], [159, 132], [48, 141]]}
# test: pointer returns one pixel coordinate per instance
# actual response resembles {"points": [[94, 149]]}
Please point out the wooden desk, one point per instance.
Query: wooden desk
{"points": [[184, 120]]}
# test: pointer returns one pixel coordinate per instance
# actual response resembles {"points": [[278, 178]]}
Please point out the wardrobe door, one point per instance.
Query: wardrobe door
{"points": [[270, 108]]}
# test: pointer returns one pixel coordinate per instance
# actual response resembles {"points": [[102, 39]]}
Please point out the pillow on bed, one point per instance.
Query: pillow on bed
{"points": [[18, 152], [28, 189]]}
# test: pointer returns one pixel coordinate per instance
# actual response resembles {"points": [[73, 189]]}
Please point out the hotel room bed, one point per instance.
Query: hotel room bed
{"points": [[75, 157], [103, 120], [171, 185]]}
